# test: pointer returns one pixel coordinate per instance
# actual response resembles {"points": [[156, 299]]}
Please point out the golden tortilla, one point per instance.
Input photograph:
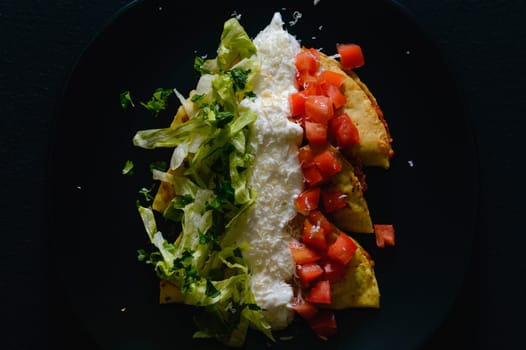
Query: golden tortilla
{"points": [[359, 288], [374, 148], [355, 217]]}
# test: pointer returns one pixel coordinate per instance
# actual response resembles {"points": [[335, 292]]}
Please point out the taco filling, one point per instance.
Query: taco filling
{"points": [[263, 178]]}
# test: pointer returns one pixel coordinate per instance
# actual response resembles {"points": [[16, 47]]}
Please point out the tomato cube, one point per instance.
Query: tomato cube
{"points": [[306, 62], [297, 104], [313, 176], [333, 270], [351, 56], [385, 234], [316, 133], [306, 156], [313, 235], [301, 254], [308, 272], [333, 200], [317, 218], [335, 95], [308, 200], [343, 130], [320, 293], [328, 163], [328, 77], [342, 250], [303, 308], [318, 108]]}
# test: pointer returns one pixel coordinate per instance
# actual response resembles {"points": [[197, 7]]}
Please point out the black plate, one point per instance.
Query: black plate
{"points": [[429, 193]]}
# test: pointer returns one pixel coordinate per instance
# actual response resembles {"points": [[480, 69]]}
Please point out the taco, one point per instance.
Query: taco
{"points": [[233, 184]]}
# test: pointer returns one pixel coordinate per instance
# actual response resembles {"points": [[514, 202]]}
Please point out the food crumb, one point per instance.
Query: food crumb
{"points": [[236, 15], [411, 164], [316, 2], [296, 16], [79, 188], [408, 52], [123, 309], [285, 338]]}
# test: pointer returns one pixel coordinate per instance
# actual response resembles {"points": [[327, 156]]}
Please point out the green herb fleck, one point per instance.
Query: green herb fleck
{"points": [[211, 291], [128, 168], [126, 100], [197, 97], [198, 65], [158, 101], [240, 77], [146, 192]]}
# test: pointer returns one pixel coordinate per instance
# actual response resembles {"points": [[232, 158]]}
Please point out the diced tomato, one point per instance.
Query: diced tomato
{"points": [[342, 250], [316, 133], [320, 293], [333, 270], [306, 156], [344, 131], [313, 176], [323, 324], [308, 200], [328, 163], [328, 77], [317, 218], [385, 235], [303, 308], [335, 95], [318, 108], [314, 235], [307, 62], [307, 84], [351, 56], [301, 254], [297, 104], [333, 200], [308, 272]]}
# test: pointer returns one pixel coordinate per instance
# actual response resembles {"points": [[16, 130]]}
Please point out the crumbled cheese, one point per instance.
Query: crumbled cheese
{"points": [[275, 175]]}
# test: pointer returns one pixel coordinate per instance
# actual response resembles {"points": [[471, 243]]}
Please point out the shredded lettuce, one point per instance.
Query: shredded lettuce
{"points": [[208, 174], [235, 44]]}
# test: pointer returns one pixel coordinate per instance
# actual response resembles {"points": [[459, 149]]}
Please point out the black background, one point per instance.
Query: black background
{"points": [[483, 43]]}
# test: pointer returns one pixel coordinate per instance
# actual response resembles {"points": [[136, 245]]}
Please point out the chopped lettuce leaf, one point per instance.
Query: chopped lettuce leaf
{"points": [[128, 168], [235, 45]]}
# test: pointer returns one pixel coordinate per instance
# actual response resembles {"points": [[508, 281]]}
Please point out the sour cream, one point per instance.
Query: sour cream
{"points": [[275, 176]]}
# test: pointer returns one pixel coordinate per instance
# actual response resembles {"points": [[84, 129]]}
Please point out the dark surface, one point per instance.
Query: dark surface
{"points": [[481, 41]]}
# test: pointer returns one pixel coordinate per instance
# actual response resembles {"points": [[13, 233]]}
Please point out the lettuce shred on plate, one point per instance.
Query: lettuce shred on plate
{"points": [[208, 171]]}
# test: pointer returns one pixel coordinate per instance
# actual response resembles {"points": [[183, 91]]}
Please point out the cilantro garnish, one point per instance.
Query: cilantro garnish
{"points": [[126, 100], [158, 101]]}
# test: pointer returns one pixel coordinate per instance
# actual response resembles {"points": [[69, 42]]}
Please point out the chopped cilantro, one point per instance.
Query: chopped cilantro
{"points": [[158, 101], [197, 97], [198, 65], [211, 291], [146, 192], [126, 100], [240, 77]]}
